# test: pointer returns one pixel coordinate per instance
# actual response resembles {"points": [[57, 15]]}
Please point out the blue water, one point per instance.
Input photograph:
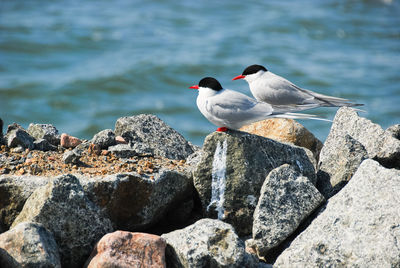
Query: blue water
{"points": [[80, 65]]}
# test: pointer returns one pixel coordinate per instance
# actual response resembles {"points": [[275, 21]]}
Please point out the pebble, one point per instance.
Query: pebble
{"points": [[17, 150], [68, 141], [120, 140]]}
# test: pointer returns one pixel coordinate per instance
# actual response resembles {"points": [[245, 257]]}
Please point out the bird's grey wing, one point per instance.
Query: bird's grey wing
{"points": [[285, 92], [235, 106], [308, 96]]}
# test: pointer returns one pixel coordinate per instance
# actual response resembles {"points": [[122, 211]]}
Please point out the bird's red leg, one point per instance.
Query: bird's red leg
{"points": [[222, 129]]}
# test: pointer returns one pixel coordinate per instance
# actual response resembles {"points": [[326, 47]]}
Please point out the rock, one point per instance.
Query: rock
{"points": [[286, 199], [71, 157], [358, 228], [120, 140], [207, 243], [148, 131], [126, 249], [135, 202], [126, 151], [339, 160], [394, 131], [43, 145], [1, 132], [94, 149], [380, 145], [285, 130], [17, 137], [14, 191], [232, 170], [28, 245], [17, 150], [68, 141], [62, 207], [104, 139], [193, 160], [45, 131]]}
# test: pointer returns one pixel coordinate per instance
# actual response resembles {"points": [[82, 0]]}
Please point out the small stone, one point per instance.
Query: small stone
{"points": [[104, 139], [17, 150], [126, 249], [45, 131], [124, 151], [18, 137], [71, 157], [21, 171], [68, 141], [104, 152], [44, 145], [120, 140]]}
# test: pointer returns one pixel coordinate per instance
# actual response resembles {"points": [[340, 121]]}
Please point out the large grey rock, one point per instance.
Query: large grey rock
{"points": [[207, 243], [14, 191], [149, 132], [28, 245], [394, 131], [45, 131], [76, 223], [17, 137], [286, 199], [339, 160], [135, 202], [380, 144], [360, 226], [104, 138], [232, 170]]}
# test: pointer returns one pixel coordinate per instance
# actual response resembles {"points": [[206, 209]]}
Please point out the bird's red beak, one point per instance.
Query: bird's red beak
{"points": [[194, 87], [238, 77]]}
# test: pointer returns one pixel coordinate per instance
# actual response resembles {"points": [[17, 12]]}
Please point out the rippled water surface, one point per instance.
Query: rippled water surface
{"points": [[80, 65]]}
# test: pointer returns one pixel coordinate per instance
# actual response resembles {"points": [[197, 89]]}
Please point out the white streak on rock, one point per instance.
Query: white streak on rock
{"points": [[218, 183], [299, 165]]}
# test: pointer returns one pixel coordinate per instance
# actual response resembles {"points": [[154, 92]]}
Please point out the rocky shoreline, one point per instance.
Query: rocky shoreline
{"points": [[142, 195]]}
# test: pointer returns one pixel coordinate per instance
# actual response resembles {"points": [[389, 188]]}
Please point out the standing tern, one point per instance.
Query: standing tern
{"points": [[273, 89], [228, 109]]}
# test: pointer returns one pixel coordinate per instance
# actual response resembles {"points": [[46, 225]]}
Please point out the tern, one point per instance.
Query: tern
{"points": [[228, 109], [276, 90]]}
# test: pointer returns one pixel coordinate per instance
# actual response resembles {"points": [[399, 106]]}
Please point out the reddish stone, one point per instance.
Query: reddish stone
{"points": [[285, 130], [120, 140], [68, 141], [127, 249]]}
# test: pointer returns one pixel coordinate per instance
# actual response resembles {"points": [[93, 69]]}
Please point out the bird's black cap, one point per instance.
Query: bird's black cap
{"points": [[252, 69], [210, 83]]}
